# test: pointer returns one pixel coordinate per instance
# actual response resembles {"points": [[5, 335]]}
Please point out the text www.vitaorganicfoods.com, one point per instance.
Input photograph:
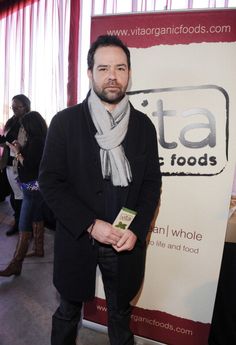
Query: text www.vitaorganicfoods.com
{"points": [[154, 322], [171, 30], [161, 324]]}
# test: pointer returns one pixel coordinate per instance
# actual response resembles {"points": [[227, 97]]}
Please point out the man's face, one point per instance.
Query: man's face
{"points": [[110, 74]]}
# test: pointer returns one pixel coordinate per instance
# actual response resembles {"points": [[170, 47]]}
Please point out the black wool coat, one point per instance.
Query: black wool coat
{"points": [[72, 185]]}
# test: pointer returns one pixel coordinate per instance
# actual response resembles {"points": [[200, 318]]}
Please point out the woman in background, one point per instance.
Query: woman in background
{"points": [[20, 106], [28, 158]]}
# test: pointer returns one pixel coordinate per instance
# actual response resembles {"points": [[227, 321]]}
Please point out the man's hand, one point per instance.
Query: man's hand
{"points": [[105, 233], [126, 242]]}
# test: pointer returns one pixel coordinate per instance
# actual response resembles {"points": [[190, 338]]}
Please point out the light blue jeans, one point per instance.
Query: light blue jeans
{"points": [[31, 209]]}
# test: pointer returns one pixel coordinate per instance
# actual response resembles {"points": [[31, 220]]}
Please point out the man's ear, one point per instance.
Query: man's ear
{"points": [[130, 81]]}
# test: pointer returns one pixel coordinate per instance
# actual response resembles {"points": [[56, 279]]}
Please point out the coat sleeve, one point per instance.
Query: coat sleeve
{"points": [[149, 188], [54, 183], [2, 139]]}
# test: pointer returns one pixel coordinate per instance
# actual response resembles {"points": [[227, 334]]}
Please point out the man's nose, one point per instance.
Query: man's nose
{"points": [[112, 74]]}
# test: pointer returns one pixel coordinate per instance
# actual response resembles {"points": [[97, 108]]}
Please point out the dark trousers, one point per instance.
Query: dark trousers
{"points": [[16, 205], [5, 188], [67, 316]]}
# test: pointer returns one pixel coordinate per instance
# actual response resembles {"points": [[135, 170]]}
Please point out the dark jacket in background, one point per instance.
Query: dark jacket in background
{"points": [[13, 126], [32, 153]]}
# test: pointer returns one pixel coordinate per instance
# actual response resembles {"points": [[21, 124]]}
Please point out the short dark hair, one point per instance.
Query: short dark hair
{"points": [[106, 41], [24, 100]]}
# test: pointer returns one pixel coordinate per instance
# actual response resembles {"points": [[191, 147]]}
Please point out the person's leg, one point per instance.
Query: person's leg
{"points": [[26, 214], [15, 265], [25, 234], [38, 226], [16, 205], [15, 199], [38, 240], [118, 319], [65, 323], [5, 188]]}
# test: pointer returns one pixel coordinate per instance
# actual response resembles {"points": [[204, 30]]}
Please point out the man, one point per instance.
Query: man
{"points": [[100, 156]]}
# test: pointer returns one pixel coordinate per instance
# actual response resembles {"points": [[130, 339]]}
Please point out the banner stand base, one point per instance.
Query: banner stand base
{"points": [[103, 329]]}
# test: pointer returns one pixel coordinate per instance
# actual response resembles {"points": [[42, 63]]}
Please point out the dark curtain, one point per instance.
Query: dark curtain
{"points": [[73, 53]]}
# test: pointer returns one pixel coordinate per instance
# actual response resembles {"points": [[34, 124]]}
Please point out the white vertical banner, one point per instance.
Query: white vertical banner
{"points": [[184, 79]]}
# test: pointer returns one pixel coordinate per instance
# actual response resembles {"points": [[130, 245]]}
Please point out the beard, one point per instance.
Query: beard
{"points": [[110, 97]]}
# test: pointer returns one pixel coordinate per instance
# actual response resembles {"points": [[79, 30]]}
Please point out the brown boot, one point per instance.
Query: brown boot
{"points": [[38, 246], [15, 266]]}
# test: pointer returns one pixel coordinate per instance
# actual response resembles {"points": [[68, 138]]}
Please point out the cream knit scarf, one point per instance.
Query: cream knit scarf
{"points": [[22, 139], [111, 130]]}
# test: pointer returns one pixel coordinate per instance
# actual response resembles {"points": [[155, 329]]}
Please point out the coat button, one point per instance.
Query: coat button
{"points": [[99, 193]]}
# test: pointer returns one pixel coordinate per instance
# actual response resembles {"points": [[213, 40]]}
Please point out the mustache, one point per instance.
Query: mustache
{"points": [[112, 83]]}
